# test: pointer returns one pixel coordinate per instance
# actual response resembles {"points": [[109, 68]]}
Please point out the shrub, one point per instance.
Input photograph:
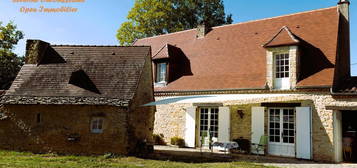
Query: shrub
{"points": [[178, 141], [159, 139], [110, 156]]}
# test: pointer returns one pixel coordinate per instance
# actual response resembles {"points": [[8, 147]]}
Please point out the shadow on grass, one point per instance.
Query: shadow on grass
{"points": [[188, 157]]}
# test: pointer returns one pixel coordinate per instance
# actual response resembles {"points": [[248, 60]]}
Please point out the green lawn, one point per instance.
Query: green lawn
{"points": [[10, 159]]}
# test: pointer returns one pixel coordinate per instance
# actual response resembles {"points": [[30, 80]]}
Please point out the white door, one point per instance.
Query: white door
{"points": [[190, 127], [282, 132], [208, 125], [224, 124], [303, 132], [257, 126]]}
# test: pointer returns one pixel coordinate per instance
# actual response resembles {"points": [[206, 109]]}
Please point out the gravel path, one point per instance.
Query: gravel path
{"points": [[265, 160], [297, 165]]}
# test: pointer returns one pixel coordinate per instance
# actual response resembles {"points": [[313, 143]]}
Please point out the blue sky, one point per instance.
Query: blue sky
{"points": [[97, 21]]}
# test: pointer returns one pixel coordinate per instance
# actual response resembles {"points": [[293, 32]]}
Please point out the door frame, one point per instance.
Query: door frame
{"points": [[281, 119], [198, 130]]}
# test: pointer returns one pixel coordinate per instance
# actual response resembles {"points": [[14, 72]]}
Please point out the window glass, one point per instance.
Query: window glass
{"points": [[282, 65], [97, 125], [160, 72]]}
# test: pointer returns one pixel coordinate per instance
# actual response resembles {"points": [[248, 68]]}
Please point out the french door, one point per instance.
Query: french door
{"points": [[208, 125], [282, 132]]}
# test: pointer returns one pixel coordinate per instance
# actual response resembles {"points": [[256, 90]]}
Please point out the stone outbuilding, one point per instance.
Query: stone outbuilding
{"points": [[76, 99], [286, 78]]}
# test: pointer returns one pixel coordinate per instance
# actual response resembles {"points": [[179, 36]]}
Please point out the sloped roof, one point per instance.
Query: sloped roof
{"points": [[162, 53], [113, 70], [233, 56], [282, 38]]}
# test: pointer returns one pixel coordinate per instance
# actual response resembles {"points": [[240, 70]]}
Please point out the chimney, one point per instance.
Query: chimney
{"points": [[343, 60], [343, 8], [35, 50], [202, 30]]}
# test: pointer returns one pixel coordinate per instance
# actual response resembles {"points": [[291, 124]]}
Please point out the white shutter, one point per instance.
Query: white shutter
{"points": [[257, 124], [190, 128], [224, 124], [303, 132]]}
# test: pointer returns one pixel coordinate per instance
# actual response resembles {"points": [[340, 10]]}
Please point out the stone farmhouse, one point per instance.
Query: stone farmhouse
{"points": [[76, 99], [286, 77]]}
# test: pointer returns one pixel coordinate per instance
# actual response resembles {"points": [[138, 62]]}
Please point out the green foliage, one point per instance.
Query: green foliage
{"points": [[154, 17], [159, 139], [178, 141], [111, 156], [10, 63]]}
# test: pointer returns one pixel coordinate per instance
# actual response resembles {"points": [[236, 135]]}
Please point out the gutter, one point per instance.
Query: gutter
{"points": [[211, 90], [313, 87], [243, 89]]}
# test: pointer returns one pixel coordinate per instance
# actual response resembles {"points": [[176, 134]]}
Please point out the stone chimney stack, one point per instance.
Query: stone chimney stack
{"points": [[343, 60], [35, 50], [344, 9], [202, 30]]}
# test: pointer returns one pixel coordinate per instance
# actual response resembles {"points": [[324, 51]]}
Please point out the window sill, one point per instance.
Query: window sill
{"points": [[282, 89], [160, 84], [96, 132]]}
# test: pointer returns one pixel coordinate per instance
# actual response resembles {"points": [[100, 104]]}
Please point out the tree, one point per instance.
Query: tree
{"points": [[10, 63], [154, 17]]}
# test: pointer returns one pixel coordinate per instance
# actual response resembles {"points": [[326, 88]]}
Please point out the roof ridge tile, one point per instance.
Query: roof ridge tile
{"points": [[240, 23], [75, 45]]}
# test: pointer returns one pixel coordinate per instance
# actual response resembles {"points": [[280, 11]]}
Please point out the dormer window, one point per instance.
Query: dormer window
{"points": [[161, 70], [282, 60], [169, 64]]}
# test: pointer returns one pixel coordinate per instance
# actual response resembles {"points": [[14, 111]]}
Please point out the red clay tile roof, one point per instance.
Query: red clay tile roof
{"points": [[233, 56], [113, 70], [283, 37], [162, 53]]}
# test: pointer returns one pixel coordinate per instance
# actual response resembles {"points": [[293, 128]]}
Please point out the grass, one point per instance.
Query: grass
{"points": [[9, 159]]}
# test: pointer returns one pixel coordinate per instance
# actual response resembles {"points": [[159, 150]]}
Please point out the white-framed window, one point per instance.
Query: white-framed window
{"points": [[282, 70], [208, 124], [161, 69], [97, 125], [282, 65]]}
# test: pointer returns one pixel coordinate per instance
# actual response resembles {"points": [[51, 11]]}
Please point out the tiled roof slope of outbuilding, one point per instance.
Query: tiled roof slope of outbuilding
{"points": [[233, 56], [114, 71]]}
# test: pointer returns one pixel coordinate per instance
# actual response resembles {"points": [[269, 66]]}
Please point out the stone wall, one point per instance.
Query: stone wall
{"points": [[141, 118], [20, 130], [170, 119]]}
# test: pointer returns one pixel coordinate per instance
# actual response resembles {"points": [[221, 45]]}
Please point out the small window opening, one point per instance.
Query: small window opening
{"points": [[97, 125], [38, 118]]}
